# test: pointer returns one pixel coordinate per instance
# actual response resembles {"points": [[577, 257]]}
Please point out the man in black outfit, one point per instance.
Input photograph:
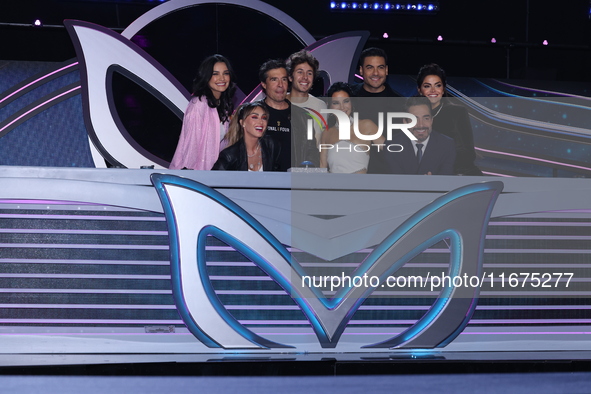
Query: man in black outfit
{"points": [[373, 67], [286, 123], [375, 96]]}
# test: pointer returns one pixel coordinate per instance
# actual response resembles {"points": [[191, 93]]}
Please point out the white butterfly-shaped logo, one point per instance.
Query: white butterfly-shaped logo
{"points": [[193, 211]]}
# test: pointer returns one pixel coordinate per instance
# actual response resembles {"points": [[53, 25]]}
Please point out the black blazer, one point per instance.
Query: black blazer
{"points": [[438, 158], [452, 120], [234, 157]]}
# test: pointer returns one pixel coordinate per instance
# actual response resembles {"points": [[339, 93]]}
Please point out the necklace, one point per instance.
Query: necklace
{"points": [[439, 110], [252, 166], [257, 158], [255, 166], [255, 150]]}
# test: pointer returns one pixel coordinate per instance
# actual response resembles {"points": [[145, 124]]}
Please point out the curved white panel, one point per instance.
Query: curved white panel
{"points": [[102, 49], [175, 5]]}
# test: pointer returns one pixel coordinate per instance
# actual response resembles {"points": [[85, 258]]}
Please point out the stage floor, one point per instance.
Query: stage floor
{"points": [[296, 364], [523, 383]]}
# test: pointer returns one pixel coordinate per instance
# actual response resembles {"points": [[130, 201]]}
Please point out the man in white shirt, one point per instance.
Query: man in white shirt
{"points": [[302, 69]]}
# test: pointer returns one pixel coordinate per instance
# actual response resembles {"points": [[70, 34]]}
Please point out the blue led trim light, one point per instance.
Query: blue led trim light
{"points": [[326, 338], [219, 306], [158, 180], [177, 292], [455, 263]]}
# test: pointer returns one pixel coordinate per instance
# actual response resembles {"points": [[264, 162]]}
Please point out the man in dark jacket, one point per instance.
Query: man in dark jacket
{"points": [[375, 95], [431, 154], [287, 123]]}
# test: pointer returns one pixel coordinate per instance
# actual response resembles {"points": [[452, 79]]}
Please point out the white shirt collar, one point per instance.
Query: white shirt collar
{"points": [[414, 144]]}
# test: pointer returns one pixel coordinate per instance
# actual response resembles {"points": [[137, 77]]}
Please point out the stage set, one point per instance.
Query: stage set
{"points": [[109, 257]]}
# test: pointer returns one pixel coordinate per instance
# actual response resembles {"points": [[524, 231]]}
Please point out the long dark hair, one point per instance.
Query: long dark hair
{"points": [[201, 88]]}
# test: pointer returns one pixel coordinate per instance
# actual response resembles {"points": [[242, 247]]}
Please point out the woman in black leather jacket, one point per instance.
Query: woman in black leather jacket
{"points": [[249, 148]]}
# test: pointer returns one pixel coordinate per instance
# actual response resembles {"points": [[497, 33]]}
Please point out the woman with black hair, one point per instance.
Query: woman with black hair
{"points": [[346, 155], [207, 116], [448, 118]]}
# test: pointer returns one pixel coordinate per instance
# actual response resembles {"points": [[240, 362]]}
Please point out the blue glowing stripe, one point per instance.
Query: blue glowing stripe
{"points": [[329, 339], [206, 282]]}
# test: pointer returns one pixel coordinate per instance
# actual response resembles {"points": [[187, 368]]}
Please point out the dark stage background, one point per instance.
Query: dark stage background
{"points": [[467, 27], [516, 76]]}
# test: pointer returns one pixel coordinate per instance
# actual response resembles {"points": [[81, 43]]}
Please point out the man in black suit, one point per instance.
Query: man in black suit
{"points": [[431, 154]]}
